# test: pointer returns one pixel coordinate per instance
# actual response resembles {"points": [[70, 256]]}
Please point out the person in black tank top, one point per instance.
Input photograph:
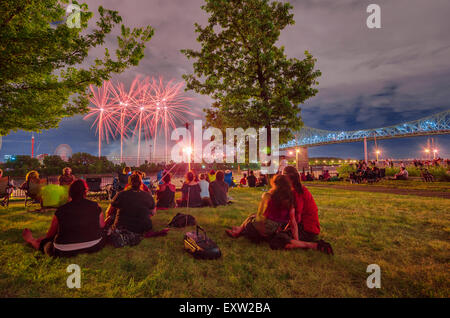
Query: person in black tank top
{"points": [[76, 226]]}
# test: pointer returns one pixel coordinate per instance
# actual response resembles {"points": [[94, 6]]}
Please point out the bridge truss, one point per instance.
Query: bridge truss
{"points": [[437, 124]]}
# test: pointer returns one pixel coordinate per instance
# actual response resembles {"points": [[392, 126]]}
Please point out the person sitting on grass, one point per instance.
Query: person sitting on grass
{"points": [[228, 178], [212, 175], [243, 182], [67, 178], [218, 190], [426, 175], [302, 176], [190, 192], [9, 189], [251, 179], [306, 210], [165, 195], [123, 178], [141, 175], [134, 208], [204, 186], [326, 176], [31, 177], [402, 175], [32, 187], [275, 212], [76, 226], [262, 180]]}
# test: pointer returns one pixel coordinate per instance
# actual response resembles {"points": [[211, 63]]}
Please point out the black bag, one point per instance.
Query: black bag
{"points": [[182, 220], [122, 237], [201, 246]]}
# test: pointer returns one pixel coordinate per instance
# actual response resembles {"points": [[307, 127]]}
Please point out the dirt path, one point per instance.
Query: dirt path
{"points": [[368, 188]]}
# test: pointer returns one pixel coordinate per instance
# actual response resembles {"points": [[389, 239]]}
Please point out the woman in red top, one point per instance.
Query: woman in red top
{"points": [[275, 211], [306, 215], [306, 210]]}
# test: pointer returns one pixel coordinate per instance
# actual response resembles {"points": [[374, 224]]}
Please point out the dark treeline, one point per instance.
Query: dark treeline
{"points": [[84, 163]]}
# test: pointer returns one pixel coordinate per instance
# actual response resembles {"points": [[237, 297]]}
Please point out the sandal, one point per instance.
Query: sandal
{"points": [[324, 247]]}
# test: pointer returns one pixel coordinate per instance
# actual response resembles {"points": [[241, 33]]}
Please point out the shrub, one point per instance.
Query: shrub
{"points": [[345, 170]]}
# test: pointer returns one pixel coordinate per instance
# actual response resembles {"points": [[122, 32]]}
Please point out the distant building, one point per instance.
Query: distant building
{"points": [[41, 157]]}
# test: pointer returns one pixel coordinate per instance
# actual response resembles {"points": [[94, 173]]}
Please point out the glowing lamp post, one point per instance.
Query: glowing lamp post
{"points": [[297, 151], [377, 152], [188, 151], [427, 151], [435, 151]]}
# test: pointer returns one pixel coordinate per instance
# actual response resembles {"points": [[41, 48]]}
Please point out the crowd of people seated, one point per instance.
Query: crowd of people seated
{"points": [[306, 176], [287, 216], [427, 163], [366, 174], [325, 176], [252, 181]]}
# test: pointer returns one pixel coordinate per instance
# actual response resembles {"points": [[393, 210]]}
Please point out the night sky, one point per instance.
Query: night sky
{"points": [[370, 77]]}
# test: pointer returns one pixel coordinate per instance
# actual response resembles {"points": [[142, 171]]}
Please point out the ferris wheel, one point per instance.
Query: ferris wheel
{"points": [[64, 151]]}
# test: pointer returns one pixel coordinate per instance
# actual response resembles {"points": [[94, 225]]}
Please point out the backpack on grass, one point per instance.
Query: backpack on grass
{"points": [[121, 237], [201, 246], [182, 220]]}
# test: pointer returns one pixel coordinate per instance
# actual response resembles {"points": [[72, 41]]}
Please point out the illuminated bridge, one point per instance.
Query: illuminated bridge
{"points": [[437, 124]]}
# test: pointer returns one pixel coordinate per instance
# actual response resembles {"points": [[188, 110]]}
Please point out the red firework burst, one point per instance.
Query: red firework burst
{"points": [[104, 113]]}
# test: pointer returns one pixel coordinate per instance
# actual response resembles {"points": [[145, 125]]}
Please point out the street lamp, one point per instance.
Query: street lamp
{"points": [[297, 151], [427, 151], [377, 152], [435, 151], [188, 151]]}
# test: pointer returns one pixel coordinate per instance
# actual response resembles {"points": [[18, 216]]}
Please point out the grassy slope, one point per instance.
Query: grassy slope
{"points": [[407, 236]]}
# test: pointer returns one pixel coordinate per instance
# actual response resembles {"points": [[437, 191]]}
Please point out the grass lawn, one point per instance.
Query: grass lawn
{"points": [[394, 184], [407, 236]]}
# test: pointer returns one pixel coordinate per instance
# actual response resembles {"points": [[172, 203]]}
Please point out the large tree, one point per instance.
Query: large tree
{"points": [[240, 66], [45, 68]]}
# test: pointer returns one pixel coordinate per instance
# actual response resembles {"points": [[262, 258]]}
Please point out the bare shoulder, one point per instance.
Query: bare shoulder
{"points": [[266, 196]]}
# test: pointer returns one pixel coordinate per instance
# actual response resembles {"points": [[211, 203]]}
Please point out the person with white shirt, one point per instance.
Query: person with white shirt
{"points": [[402, 175], [204, 193]]}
